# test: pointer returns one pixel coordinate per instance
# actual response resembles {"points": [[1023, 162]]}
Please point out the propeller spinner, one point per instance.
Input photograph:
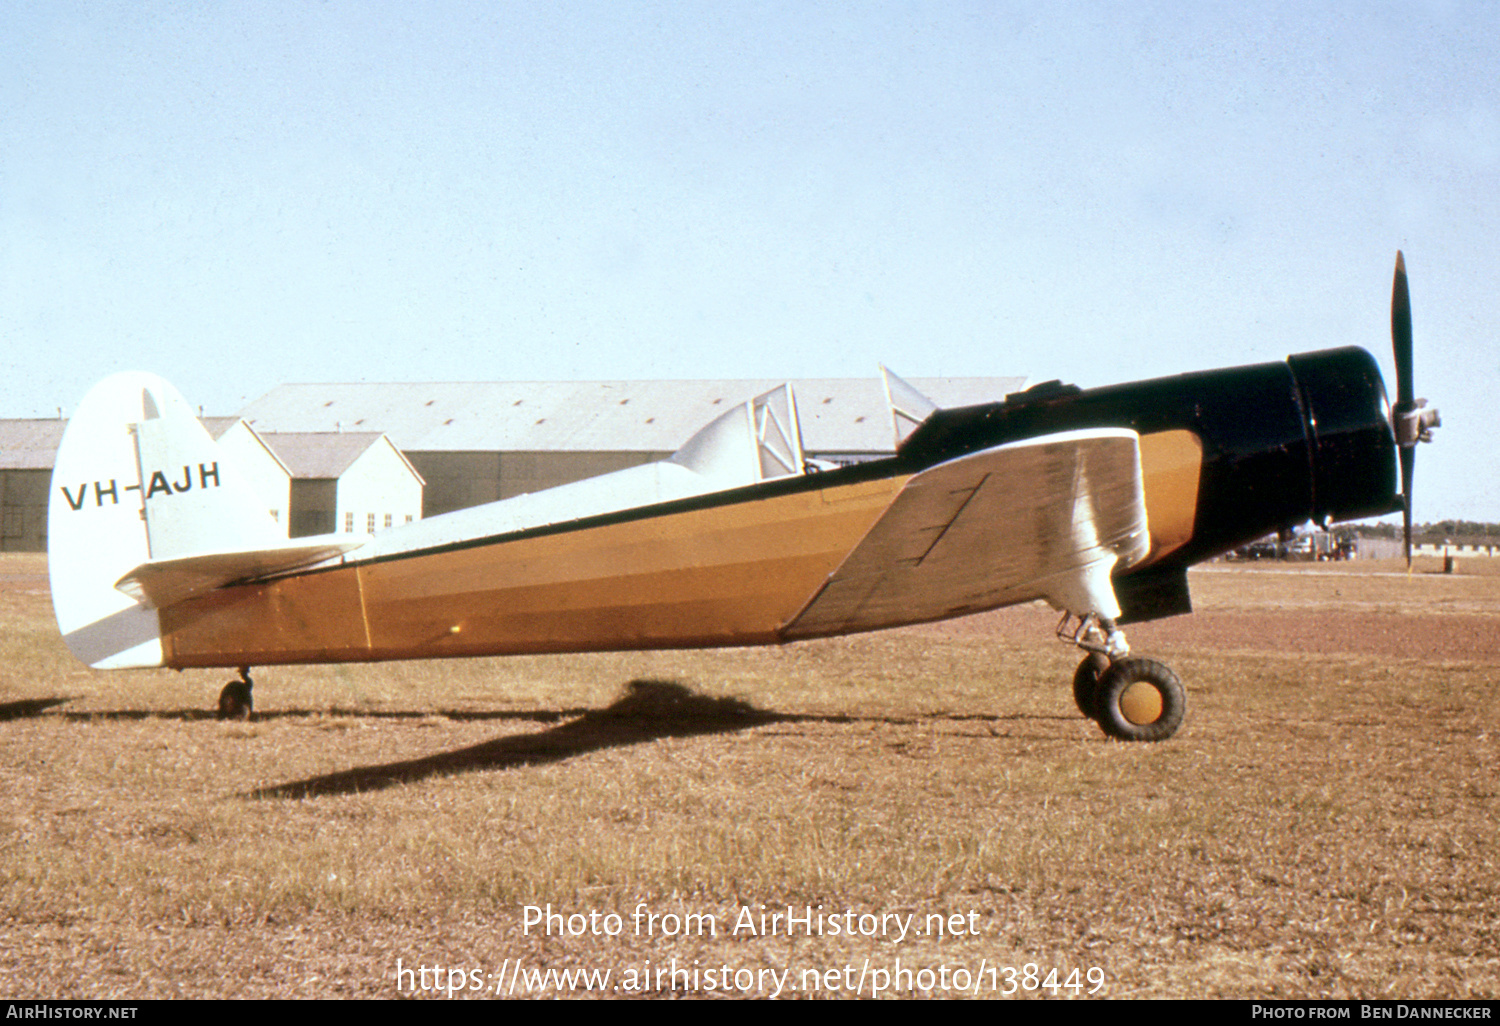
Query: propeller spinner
{"points": [[1410, 418]]}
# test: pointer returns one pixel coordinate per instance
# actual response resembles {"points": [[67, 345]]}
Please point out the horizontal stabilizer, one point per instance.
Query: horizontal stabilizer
{"points": [[164, 582]]}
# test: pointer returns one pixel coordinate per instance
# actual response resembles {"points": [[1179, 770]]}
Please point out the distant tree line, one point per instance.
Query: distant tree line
{"points": [[1431, 532]]}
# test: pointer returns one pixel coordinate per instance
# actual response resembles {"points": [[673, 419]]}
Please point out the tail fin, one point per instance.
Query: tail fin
{"points": [[96, 529], [145, 510]]}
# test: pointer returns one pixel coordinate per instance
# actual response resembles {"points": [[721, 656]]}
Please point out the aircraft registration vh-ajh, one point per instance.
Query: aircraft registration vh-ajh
{"points": [[1096, 501]]}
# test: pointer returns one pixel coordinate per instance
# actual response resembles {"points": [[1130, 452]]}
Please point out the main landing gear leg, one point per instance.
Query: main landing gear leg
{"points": [[1131, 698], [236, 702]]}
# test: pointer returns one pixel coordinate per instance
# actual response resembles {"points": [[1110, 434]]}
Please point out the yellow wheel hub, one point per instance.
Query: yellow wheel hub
{"points": [[1141, 703]]}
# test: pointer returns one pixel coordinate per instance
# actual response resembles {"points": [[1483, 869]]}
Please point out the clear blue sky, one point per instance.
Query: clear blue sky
{"points": [[236, 195]]}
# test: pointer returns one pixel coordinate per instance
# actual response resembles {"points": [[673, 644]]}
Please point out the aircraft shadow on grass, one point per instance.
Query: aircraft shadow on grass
{"points": [[28, 708], [649, 710]]}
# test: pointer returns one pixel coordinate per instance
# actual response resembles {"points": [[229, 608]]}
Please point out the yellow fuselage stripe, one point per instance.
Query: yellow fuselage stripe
{"points": [[716, 575], [731, 574]]}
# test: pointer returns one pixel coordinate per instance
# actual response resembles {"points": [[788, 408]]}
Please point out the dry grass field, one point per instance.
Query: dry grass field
{"points": [[1325, 825]]}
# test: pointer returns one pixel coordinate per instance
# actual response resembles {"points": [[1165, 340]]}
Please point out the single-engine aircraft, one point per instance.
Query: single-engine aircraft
{"points": [[1096, 501]]}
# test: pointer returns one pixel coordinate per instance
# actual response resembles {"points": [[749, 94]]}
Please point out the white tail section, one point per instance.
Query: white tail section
{"points": [[194, 501], [146, 511], [96, 529]]}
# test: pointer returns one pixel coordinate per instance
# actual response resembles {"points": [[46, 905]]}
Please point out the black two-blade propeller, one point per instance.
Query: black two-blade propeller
{"points": [[1410, 419]]}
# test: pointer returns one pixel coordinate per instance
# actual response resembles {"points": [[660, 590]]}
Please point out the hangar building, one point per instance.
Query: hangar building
{"points": [[26, 451], [356, 457], [478, 442]]}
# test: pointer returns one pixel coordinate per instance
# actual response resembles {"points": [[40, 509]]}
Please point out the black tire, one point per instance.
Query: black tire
{"points": [[1086, 683], [1140, 700], [235, 701]]}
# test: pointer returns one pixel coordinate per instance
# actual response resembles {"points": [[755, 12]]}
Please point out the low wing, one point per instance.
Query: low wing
{"points": [[163, 582], [1046, 518]]}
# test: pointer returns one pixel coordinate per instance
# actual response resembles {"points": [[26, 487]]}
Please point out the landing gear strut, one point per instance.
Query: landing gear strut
{"points": [[236, 702], [1131, 698]]}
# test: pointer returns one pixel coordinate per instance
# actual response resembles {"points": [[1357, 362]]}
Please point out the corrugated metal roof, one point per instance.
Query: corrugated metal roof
{"points": [[837, 414], [30, 444]]}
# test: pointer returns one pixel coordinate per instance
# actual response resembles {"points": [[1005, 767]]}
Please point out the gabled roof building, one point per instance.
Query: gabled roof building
{"points": [[348, 483]]}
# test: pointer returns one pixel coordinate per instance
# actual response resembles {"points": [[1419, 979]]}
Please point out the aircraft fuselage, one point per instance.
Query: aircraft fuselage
{"points": [[1227, 456]]}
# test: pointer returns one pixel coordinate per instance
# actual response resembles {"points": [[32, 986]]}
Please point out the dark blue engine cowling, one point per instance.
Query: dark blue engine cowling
{"points": [[1308, 438], [1284, 443], [1348, 423]]}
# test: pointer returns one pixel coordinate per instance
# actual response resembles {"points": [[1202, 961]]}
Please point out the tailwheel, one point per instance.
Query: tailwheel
{"points": [[237, 701], [1086, 683], [1140, 700]]}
